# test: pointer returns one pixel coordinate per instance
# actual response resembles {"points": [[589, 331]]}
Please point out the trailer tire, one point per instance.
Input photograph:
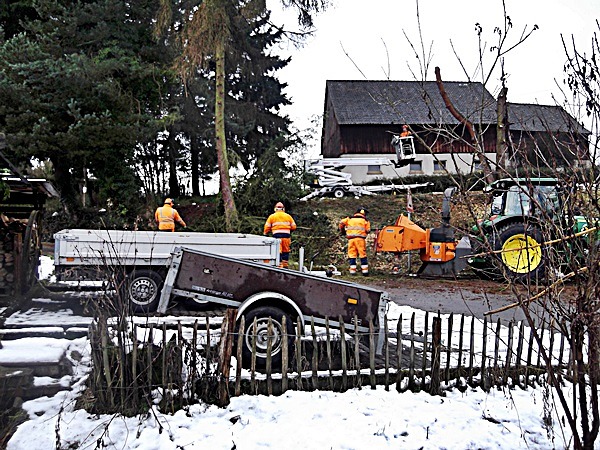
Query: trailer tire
{"points": [[142, 290], [262, 315], [523, 258], [338, 193]]}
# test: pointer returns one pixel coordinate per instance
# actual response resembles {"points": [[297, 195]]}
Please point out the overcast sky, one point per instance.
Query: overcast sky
{"points": [[358, 40]]}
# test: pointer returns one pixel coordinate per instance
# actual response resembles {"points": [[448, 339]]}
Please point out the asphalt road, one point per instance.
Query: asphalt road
{"points": [[471, 297]]}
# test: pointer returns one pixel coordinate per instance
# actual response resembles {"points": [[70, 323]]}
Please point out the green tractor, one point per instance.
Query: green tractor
{"points": [[531, 221]]}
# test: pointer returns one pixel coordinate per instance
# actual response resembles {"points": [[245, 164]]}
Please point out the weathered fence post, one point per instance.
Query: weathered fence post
{"points": [[298, 343], [529, 356], [449, 347], [519, 350], [399, 354], [269, 365], [372, 355], [411, 364], [435, 356], [471, 351], [386, 344], [358, 382], [509, 352], [194, 368], [344, 355], [424, 360], [484, 384], [285, 355], [315, 355], [329, 355], [225, 350], [238, 356], [460, 350], [496, 351]]}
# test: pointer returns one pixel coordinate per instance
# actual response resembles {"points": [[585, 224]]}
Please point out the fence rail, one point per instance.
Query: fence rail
{"points": [[136, 364]]}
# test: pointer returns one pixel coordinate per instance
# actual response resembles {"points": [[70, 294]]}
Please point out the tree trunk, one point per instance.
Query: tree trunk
{"points": [[231, 214], [487, 170], [174, 190], [65, 185], [502, 130], [195, 172]]}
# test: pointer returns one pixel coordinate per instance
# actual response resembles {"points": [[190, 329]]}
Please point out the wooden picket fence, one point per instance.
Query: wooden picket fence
{"points": [[175, 364]]}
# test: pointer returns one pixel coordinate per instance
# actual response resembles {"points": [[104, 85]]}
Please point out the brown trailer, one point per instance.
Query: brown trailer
{"points": [[261, 291]]}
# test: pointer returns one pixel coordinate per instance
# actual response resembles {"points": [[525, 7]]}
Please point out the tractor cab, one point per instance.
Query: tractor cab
{"points": [[536, 197]]}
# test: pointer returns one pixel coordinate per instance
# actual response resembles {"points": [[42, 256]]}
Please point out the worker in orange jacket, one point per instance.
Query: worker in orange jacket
{"points": [[166, 216], [357, 228], [281, 224], [405, 131]]}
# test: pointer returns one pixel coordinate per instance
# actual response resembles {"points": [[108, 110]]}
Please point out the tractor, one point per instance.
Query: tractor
{"points": [[529, 218]]}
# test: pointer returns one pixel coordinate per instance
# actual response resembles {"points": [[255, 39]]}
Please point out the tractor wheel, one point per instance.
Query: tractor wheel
{"points": [[523, 257]]}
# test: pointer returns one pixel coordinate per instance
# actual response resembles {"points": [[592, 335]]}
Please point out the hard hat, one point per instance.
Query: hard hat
{"points": [[279, 205], [168, 201], [362, 210]]}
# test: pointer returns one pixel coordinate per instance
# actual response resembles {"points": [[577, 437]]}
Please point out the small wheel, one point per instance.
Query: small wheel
{"points": [[338, 193], [142, 290], [522, 256], [262, 315]]}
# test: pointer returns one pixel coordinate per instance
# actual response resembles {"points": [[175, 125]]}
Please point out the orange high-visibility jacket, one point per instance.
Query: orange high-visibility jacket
{"points": [[280, 223], [356, 226], [166, 216]]}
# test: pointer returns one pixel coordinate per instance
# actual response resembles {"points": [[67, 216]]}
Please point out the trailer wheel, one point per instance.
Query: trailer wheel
{"points": [[142, 290], [522, 257], [262, 315], [338, 193]]}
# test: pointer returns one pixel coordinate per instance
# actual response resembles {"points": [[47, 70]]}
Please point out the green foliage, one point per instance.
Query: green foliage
{"points": [[81, 90], [275, 178]]}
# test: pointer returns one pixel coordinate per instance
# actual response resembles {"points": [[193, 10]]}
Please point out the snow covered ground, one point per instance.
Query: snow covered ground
{"points": [[357, 419]]}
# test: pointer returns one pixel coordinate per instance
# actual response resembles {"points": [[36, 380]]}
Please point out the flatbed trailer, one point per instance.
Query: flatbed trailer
{"points": [[137, 261], [265, 292]]}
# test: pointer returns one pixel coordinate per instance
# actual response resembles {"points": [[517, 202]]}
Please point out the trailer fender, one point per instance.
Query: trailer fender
{"points": [[261, 296]]}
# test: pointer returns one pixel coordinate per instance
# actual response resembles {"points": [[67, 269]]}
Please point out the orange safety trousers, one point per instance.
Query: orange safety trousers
{"points": [[285, 245], [357, 247]]}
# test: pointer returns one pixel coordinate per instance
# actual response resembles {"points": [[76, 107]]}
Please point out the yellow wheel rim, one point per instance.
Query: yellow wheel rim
{"points": [[521, 254]]}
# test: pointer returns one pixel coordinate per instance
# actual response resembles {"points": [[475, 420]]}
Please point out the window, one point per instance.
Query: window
{"points": [[416, 166], [374, 169], [439, 166]]}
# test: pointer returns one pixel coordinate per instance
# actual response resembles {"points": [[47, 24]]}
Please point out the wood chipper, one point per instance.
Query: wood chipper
{"points": [[22, 201], [439, 252]]}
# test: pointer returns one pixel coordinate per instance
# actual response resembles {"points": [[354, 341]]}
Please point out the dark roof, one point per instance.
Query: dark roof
{"points": [[530, 117], [412, 102]]}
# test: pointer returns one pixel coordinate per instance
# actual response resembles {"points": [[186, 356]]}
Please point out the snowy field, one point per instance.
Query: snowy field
{"points": [[357, 419]]}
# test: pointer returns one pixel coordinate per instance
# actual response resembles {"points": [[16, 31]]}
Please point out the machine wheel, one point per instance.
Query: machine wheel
{"points": [[32, 247], [522, 258], [142, 289], [338, 193], [262, 315]]}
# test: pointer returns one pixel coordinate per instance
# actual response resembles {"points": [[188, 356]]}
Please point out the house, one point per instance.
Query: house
{"points": [[361, 117]]}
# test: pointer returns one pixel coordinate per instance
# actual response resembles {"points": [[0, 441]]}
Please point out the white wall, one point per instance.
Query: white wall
{"points": [[454, 163]]}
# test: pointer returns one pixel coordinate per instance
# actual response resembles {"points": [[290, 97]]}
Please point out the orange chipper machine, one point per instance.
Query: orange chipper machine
{"points": [[440, 253]]}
